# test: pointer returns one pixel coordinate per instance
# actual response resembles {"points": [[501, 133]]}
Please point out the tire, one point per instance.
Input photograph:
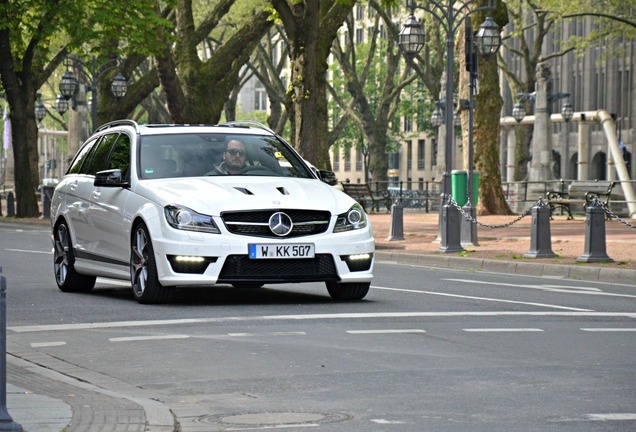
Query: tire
{"points": [[248, 285], [67, 279], [348, 291], [143, 269]]}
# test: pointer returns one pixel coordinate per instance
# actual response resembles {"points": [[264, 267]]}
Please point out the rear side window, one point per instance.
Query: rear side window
{"points": [[98, 160], [81, 157]]}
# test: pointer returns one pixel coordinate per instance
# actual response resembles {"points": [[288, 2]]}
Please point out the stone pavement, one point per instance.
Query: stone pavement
{"points": [[44, 396]]}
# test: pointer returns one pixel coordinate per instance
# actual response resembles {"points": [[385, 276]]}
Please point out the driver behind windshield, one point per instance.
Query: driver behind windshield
{"points": [[233, 158]]}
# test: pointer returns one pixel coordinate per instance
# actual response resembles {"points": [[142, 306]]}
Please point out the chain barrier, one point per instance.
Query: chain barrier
{"points": [[506, 225], [612, 215]]}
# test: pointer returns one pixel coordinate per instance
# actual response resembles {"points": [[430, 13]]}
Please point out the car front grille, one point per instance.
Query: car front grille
{"points": [[255, 223], [239, 268]]}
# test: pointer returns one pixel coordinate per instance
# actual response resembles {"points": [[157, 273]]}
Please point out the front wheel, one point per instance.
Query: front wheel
{"points": [[348, 291], [68, 280], [143, 269]]}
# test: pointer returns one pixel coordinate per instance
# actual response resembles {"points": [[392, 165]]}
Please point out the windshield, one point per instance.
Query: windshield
{"points": [[193, 155]]}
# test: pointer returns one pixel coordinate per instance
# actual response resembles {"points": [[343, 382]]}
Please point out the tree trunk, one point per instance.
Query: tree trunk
{"points": [[311, 27], [486, 131], [25, 155]]}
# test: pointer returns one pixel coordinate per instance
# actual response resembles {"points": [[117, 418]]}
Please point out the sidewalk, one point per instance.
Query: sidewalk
{"points": [[501, 249], [42, 400]]}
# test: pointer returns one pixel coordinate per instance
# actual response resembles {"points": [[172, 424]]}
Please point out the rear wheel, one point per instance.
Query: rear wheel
{"points": [[68, 280], [143, 269], [348, 291]]}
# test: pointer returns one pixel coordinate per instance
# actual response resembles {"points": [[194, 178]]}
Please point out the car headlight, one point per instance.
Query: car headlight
{"points": [[353, 219], [183, 218]]}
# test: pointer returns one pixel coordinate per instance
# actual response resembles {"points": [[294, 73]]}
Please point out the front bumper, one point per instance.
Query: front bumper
{"points": [[197, 259]]}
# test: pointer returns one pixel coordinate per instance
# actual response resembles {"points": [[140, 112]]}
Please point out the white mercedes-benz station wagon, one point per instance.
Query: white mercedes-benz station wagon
{"points": [[167, 206]]}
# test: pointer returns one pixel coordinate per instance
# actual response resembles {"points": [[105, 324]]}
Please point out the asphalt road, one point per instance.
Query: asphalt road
{"points": [[427, 350]]}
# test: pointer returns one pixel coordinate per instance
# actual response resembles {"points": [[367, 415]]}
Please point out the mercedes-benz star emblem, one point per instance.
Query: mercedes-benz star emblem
{"points": [[280, 224]]}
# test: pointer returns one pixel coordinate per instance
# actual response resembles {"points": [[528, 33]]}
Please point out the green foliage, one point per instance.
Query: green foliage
{"points": [[80, 25]]}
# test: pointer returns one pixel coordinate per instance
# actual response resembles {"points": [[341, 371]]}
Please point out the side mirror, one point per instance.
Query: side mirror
{"points": [[328, 177], [110, 178]]}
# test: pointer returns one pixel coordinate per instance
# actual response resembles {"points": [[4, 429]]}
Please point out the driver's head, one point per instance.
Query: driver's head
{"points": [[234, 156]]}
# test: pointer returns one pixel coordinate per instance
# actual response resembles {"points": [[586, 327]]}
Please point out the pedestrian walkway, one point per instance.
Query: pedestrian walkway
{"points": [[501, 247], [43, 400]]}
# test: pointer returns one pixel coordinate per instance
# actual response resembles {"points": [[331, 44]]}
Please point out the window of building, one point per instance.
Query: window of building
{"points": [[421, 155], [434, 152], [260, 97], [359, 12], [408, 124], [359, 160], [347, 160], [336, 159], [359, 36]]}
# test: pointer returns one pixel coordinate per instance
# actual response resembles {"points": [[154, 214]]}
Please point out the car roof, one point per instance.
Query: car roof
{"points": [[239, 127]]}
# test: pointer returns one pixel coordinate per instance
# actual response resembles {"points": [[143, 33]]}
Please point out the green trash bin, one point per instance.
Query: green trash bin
{"points": [[459, 187]]}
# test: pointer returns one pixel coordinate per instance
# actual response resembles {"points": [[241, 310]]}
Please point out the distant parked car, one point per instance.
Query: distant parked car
{"points": [[157, 205]]}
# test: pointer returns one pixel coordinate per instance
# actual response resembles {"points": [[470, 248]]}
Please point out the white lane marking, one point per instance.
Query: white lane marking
{"points": [[274, 427], [382, 421], [387, 331], [482, 298], [29, 251], [503, 330], [611, 416], [46, 344], [298, 333], [552, 288], [310, 317], [145, 338], [601, 329]]}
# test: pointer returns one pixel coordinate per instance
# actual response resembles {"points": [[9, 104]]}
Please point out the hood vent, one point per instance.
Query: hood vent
{"points": [[244, 190], [282, 190]]}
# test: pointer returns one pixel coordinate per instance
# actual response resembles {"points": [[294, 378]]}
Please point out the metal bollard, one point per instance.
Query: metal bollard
{"points": [[469, 227], [396, 231], [540, 237], [594, 235], [47, 194], [6, 422], [10, 205], [450, 230]]}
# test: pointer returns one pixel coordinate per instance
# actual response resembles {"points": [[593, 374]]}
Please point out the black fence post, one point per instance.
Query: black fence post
{"points": [[397, 222], [540, 237], [10, 205], [47, 194], [6, 422], [595, 250]]}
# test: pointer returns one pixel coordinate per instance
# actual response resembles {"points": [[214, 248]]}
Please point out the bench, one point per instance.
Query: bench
{"points": [[580, 192], [362, 193]]}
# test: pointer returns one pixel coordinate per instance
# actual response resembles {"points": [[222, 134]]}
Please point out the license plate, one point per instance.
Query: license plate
{"points": [[286, 251]]}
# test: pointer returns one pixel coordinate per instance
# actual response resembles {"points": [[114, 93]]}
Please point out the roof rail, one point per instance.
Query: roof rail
{"points": [[118, 123], [248, 123]]}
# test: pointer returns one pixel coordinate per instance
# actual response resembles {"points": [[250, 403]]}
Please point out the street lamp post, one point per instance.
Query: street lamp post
{"points": [[61, 105], [91, 72], [450, 14]]}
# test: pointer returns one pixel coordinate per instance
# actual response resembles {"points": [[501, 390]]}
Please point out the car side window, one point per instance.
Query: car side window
{"points": [[120, 156], [99, 156], [81, 157]]}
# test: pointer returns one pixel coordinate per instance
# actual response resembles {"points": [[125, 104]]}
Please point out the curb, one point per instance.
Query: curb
{"points": [[103, 402]]}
